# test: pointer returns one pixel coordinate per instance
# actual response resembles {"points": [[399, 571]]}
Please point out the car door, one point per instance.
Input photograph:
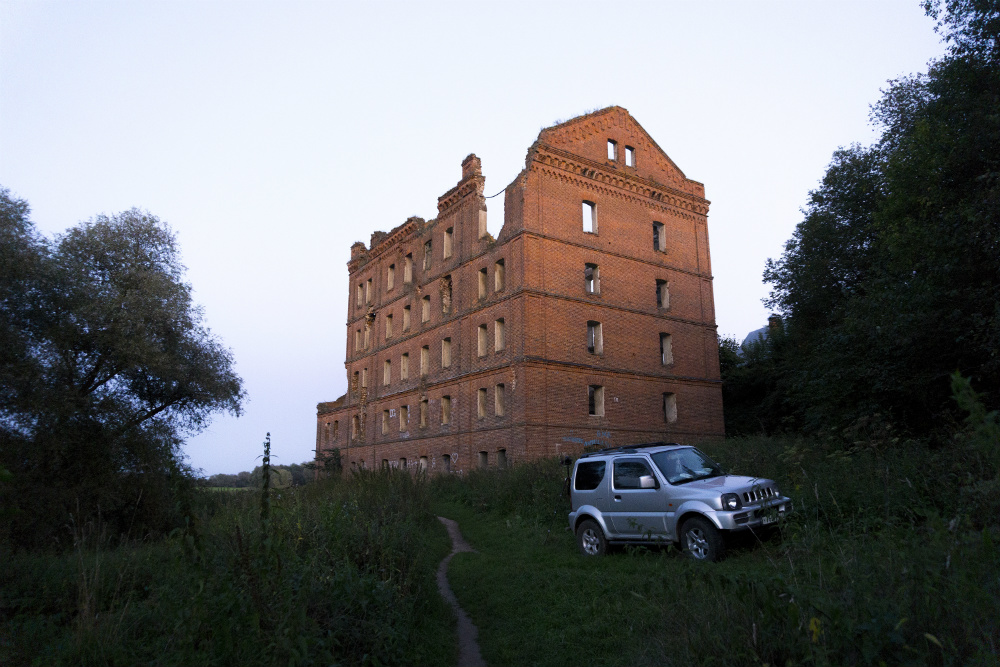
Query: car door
{"points": [[637, 500]]}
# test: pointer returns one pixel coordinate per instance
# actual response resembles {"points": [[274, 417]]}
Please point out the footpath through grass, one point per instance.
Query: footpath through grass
{"points": [[341, 573], [882, 563]]}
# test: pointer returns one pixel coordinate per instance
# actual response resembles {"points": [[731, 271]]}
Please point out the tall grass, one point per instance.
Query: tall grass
{"points": [[883, 562], [335, 573]]}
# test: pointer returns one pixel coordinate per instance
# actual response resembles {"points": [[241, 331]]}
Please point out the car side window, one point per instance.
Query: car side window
{"points": [[589, 475], [634, 475]]}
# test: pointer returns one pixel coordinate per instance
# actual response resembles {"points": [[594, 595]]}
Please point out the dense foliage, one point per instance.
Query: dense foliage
{"points": [[340, 573], [105, 364], [892, 280]]}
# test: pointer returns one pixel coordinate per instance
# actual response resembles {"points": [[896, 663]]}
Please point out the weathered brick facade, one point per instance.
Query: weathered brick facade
{"points": [[618, 320]]}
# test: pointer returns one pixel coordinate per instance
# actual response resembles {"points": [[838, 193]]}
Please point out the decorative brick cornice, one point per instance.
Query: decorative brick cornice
{"points": [[592, 175], [466, 187]]}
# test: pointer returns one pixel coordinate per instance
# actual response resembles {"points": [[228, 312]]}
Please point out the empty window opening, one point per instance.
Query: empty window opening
{"points": [[499, 339], [408, 268], [502, 458], [404, 366], [446, 295], [423, 464], [662, 294], [446, 409], [423, 413], [590, 217], [364, 378], [425, 309], [482, 223], [499, 277], [612, 150], [390, 277], [385, 464], [368, 291], [402, 463], [446, 462], [326, 433], [427, 254], [499, 400], [361, 294], [659, 240], [666, 349], [386, 372], [356, 381], [368, 331], [388, 327], [482, 340], [595, 338], [446, 353], [481, 403], [355, 427], [484, 459], [404, 417], [595, 398], [482, 283], [629, 156], [385, 422], [669, 408], [425, 360], [357, 339], [406, 318], [449, 239], [591, 279]]}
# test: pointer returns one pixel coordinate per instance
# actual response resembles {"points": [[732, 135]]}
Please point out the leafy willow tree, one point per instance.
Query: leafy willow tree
{"points": [[106, 365], [892, 280]]}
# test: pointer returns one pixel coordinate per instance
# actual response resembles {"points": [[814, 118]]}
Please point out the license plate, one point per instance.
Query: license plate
{"points": [[764, 520]]}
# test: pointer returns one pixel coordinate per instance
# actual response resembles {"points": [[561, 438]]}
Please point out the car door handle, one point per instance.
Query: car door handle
{"points": [[617, 498]]}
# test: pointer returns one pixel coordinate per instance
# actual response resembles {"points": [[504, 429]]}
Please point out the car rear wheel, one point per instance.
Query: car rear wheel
{"points": [[701, 540], [590, 538]]}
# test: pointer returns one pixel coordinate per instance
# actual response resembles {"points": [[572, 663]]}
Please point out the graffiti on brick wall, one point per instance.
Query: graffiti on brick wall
{"points": [[602, 440]]}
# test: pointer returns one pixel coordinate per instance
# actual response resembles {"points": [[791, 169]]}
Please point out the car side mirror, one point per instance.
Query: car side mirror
{"points": [[647, 482]]}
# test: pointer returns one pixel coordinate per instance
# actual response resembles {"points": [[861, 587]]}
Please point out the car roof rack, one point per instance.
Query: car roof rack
{"points": [[629, 449]]}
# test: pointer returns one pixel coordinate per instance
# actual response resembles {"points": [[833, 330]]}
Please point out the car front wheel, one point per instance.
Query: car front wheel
{"points": [[701, 540], [590, 538]]}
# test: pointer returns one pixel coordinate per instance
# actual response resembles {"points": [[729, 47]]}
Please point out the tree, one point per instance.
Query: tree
{"points": [[107, 364], [891, 281]]}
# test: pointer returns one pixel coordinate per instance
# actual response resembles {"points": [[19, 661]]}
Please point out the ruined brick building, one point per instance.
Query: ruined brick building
{"points": [[589, 320]]}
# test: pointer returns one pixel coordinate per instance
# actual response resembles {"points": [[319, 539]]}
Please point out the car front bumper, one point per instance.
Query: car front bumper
{"points": [[755, 516]]}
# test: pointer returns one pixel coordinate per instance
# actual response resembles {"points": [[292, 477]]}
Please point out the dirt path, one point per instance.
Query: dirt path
{"points": [[468, 644]]}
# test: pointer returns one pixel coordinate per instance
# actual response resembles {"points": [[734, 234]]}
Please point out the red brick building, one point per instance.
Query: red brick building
{"points": [[588, 320]]}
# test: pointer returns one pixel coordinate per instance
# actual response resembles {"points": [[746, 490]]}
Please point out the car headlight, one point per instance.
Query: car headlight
{"points": [[731, 501]]}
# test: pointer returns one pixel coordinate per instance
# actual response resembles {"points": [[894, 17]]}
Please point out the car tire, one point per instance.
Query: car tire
{"points": [[590, 538], [701, 540]]}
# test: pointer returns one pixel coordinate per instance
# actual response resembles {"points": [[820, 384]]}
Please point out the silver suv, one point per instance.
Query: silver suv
{"points": [[662, 492]]}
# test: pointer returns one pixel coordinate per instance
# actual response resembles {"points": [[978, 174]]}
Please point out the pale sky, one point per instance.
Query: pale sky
{"points": [[272, 135]]}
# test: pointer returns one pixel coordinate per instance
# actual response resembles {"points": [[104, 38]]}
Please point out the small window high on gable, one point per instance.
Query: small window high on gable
{"points": [[629, 156], [612, 150]]}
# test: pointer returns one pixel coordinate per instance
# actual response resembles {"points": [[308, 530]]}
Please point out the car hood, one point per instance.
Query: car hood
{"points": [[755, 488]]}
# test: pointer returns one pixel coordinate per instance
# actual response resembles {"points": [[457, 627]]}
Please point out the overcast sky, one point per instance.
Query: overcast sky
{"points": [[273, 135]]}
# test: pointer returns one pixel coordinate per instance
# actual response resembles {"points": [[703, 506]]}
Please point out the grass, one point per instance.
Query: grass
{"points": [[890, 558], [341, 573], [874, 568]]}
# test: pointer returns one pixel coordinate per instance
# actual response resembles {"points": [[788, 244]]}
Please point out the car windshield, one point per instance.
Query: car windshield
{"points": [[680, 466]]}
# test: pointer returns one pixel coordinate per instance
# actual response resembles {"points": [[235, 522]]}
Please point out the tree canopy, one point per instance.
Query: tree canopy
{"points": [[892, 280], [106, 365]]}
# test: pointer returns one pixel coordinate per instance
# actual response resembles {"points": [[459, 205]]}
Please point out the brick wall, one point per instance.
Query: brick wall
{"points": [[545, 366]]}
